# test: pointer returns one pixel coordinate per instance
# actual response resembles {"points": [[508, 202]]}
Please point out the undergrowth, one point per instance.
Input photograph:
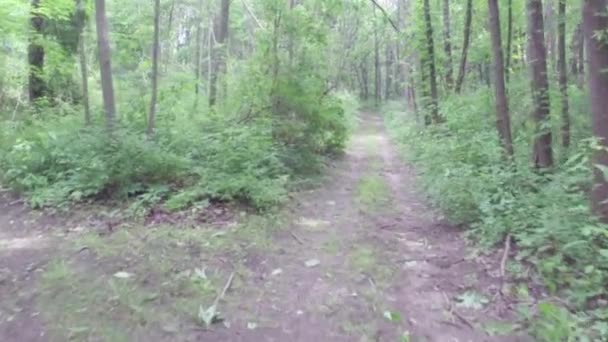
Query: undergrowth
{"points": [[54, 161], [464, 174]]}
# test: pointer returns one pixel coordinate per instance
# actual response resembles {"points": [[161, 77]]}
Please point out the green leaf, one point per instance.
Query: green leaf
{"points": [[472, 300]]}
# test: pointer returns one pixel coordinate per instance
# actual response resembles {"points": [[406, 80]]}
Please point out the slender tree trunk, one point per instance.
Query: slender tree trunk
{"points": [[430, 45], [82, 58], [105, 64], [35, 52], [577, 67], [425, 92], [543, 154], [377, 74], [465, 46], [220, 52], [563, 72], [595, 21], [509, 40], [447, 45], [198, 54], [155, 56], [503, 119], [388, 77], [365, 78], [399, 72]]}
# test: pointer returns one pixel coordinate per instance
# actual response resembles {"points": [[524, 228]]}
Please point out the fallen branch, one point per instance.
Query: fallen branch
{"points": [[226, 288], [295, 237], [503, 261]]}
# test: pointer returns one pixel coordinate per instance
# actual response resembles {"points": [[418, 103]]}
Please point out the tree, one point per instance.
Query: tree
{"points": [[155, 56], [563, 72], [542, 149], [35, 53], [220, 51], [447, 45], [509, 39], [595, 21], [503, 120], [105, 64], [465, 46], [430, 63], [377, 71], [81, 18]]}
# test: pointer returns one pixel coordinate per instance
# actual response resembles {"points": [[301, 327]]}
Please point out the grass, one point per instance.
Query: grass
{"points": [[373, 194], [140, 283]]}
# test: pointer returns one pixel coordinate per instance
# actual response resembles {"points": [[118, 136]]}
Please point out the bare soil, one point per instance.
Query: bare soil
{"points": [[360, 258]]}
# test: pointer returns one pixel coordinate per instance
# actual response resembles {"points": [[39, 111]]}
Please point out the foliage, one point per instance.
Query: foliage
{"points": [[275, 121], [465, 174]]}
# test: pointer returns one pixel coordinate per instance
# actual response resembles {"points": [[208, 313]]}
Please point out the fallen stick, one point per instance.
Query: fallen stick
{"points": [[295, 237], [503, 261], [226, 287]]}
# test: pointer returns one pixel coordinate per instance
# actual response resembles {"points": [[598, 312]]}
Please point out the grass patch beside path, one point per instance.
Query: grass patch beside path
{"points": [[145, 283]]}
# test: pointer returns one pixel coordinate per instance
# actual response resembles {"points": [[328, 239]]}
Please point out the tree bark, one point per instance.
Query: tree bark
{"points": [[35, 52], [563, 72], [220, 51], [503, 119], [509, 52], [82, 59], [465, 46], [595, 20], [577, 67], [447, 45], [155, 56], [198, 54], [430, 45], [543, 154], [388, 78], [105, 64], [377, 75]]}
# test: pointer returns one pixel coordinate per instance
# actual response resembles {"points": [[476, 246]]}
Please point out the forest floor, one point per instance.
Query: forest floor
{"points": [[359, 258]]}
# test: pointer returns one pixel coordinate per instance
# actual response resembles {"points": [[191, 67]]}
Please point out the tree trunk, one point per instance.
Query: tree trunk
{"points": [[447, 45], [509, 40], [578, 55], [430, 45], [503, 119], [563, 72], [543, 154], [388, 77], [220, 52], [198, 54], [155, 56], [105, 64], [35, 53], [82, 58], [595, 21], [465, 46], [377, 75]]}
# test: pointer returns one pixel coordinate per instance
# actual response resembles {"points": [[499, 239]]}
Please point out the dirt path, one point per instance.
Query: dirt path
{"points": [[361, 258], [382, 266]]}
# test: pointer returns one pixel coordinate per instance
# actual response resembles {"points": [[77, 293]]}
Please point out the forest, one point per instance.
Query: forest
{"points": [[297, 170]]}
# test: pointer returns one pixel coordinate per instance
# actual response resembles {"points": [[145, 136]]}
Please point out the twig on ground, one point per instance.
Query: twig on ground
{"points": [[226, 287], [463, 320], [295, 237], [503, 261]]}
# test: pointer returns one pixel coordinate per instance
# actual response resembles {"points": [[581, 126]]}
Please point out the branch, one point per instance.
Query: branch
{"points": [[253, 15], [386, 16]]}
